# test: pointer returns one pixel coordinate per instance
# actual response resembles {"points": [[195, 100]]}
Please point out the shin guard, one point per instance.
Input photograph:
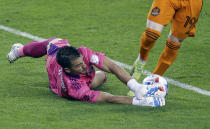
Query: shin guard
{"points": [[167, 57], [148, 39]]}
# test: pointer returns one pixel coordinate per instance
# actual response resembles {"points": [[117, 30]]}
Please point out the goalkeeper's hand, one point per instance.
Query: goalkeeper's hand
{"points": [[144, 91], [149, 101]]}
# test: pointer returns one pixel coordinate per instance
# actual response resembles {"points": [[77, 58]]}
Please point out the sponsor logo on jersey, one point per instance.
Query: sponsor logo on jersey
{"points": [[75, 84], [63, 87], [155, 11], [94, 59]]}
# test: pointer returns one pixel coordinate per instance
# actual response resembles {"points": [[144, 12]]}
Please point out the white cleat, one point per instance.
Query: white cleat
{"points": [[13, 54]]}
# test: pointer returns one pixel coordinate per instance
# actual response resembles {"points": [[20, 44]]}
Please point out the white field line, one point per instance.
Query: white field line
{"points": [[17, 32], [171, 81]]}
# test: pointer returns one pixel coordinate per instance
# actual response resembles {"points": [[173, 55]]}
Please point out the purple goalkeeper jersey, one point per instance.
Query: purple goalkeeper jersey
{"points": [[71, 86]]}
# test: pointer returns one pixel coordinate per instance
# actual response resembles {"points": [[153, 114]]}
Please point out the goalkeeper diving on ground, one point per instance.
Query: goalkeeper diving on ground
{"points": [[72, 74]]}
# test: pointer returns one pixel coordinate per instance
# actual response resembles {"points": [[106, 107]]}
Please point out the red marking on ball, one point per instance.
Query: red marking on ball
{"points": [[161, 88], [157, 79]]}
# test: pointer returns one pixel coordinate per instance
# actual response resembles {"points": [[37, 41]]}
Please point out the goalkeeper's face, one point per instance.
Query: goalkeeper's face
{"points": [[78, 66]]}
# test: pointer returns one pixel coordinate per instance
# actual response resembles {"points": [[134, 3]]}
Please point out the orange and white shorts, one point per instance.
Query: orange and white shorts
{"points": [[183, 15]]}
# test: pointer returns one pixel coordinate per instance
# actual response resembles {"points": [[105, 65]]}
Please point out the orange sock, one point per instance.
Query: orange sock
{"points": [[148, 39], [167, 57]]}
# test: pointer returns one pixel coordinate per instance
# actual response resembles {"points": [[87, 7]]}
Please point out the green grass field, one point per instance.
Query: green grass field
{"points": [[112, 27]]}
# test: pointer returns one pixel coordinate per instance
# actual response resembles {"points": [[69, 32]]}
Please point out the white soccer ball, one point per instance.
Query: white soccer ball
{"points": [[158, 81]]}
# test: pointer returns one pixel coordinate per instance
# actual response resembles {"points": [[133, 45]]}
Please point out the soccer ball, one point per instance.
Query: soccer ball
{"points": [[157, 82]]}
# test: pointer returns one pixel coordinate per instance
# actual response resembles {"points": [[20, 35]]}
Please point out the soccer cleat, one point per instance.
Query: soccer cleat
{"points": [[137, 70], [13, 54], [149, 101], [136, 73]]}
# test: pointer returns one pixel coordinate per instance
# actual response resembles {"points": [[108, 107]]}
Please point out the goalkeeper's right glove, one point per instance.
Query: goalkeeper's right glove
{"points": [[149, 101]]}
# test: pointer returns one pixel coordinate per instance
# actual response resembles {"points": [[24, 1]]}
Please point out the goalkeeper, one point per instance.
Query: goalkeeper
{"points": [[72, 75]]}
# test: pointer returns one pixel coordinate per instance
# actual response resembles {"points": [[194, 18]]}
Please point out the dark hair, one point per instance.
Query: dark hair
{"points": [[66, 55]]}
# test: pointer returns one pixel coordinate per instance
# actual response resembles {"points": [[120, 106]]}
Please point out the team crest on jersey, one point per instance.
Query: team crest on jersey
{"points": [[94, 59], [155, 11]]}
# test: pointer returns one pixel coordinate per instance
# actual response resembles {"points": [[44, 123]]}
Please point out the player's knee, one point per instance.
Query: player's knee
{"points": [[149, 37], [100, 78], [151, 34], [174, 38], [172, 47], [154, 26]]}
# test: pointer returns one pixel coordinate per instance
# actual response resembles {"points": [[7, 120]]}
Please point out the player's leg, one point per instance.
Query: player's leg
{"points": [[168, 55], [183, 26], [34, 49], [148, 40], [159, 16], [99, 79]]}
